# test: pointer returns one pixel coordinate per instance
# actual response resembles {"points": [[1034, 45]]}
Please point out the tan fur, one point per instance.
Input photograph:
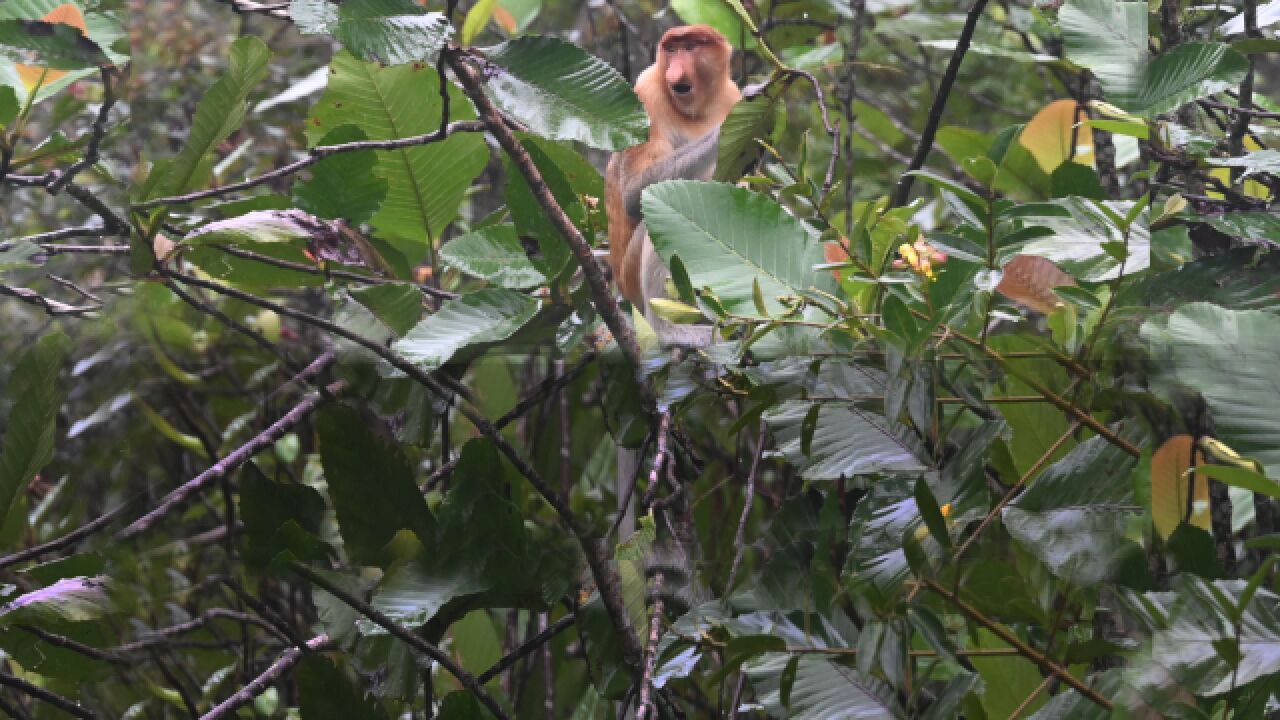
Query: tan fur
{"points": [[696, 55]]}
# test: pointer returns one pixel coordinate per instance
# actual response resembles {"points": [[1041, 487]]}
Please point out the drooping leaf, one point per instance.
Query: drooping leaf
{"points": [[1049, 135], [30, 430], [730, 239], [1188, 72], [561, 92], [279, 517], [371, 483], [391, 32], [1169, 488], [749, 121], [483, 316], [1109, 38]]}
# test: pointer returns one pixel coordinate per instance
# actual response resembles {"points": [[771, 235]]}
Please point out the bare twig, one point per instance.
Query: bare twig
{"points": [[469, 681], [282, 665], [1030, 653], [47, 304], [532, 644], [65, 541], [314, 156], [903, 191], [237, 457], [64, 704], [98, 131]]}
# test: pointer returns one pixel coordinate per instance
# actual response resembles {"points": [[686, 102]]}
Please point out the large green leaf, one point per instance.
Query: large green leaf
{"points": [[391, 32], [481, 554], [494, 254], [847, 441], [30, 428], [372, 484], [483, 316], [1109, 38], [1188, 72], [1230, 357], [1195, 620], [347, 185], [220, 112], [1073, 515], [425, 184], [750, 122], [559, 91], [729, 239], [1254, 163], [821, 690]]}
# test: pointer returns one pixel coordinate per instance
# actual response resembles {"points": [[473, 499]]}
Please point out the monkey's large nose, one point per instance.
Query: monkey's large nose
{"points": [[681, 88]]}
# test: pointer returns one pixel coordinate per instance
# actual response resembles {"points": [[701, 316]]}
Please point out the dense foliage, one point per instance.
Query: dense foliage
{"points": [[315, 400]]}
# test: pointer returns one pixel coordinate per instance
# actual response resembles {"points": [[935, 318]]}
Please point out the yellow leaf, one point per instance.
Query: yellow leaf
{"points": [[1048, 136], [477, 18], [1169, 479]]}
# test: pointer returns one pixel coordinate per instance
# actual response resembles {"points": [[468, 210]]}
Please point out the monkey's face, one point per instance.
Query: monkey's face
{"points": [[692, 59]]}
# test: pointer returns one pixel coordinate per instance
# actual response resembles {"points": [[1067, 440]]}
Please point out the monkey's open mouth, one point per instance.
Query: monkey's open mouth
{"points": [[681, 88]]}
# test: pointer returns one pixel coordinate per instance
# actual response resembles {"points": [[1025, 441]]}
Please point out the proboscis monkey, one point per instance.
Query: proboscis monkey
{"points": [[687, 93]]}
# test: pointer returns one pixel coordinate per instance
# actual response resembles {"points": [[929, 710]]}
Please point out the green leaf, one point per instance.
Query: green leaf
{"points": [[1079, 242], [1241, 478], [495, 255], [1072, 517], [1109, 38], [821, 689], [220, 112], [30, 429], [267, 507], [483, 316], [560, 92], [18, 255], [399, 305], [1186, 73], [748, 122], [390, 32], [1229, 357], [730, 238], [425, 184], [344, 186], [9, 105], [847, 441], [1255, 227], [326, 694], [371, 483]]}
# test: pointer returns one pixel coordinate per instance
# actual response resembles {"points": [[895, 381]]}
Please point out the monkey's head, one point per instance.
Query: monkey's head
{"points": [[694, 61]]}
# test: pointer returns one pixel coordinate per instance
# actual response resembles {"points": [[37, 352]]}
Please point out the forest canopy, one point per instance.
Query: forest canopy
{"points": [[317, 399]]}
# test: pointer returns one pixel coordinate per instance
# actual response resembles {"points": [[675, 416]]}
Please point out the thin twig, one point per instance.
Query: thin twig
{"points": [[903, 191], [96, 133], [469, 681], [65, 541], [1030, 653], [529, 646], [237, 457], [64, 704], [314, 156], [740, 539], [259, 684], [651, 651]]}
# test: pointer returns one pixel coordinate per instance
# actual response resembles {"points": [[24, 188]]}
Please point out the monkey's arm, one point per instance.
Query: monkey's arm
{"points": [[692, 161]]}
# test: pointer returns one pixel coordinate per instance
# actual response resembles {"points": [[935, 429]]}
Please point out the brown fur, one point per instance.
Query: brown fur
{"points": [[696, 56]]}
